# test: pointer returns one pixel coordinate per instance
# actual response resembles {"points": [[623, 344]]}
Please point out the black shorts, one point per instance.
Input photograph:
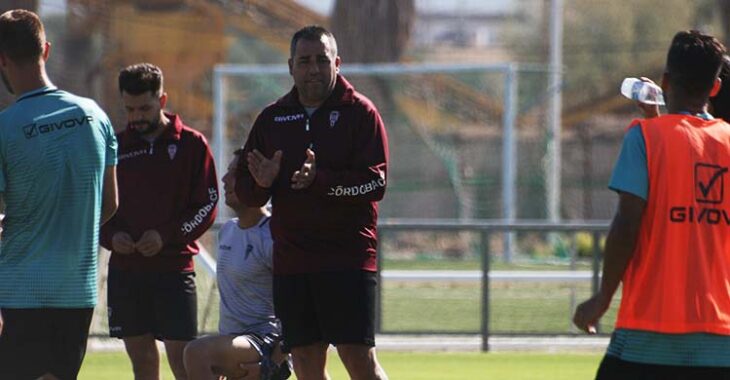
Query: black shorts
{"points": [[263, 344], [162, 304], [330, 307], [614, 368], [39, 341]]}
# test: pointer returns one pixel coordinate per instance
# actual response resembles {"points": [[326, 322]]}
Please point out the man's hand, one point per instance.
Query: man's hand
{"points": [[589, 312], [150, 243], [304, 177], [263, 170], [122, 243], [649, 110]]}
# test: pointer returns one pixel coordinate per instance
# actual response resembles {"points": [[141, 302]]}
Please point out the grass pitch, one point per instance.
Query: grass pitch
{"points": [[406, 366]]}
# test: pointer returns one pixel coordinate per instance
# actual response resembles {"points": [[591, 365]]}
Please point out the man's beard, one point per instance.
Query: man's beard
{"points": [[150, 127], [6, 82]]}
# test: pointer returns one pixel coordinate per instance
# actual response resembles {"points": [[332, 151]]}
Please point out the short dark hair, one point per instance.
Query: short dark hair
{"points": [[238, 151], [140, 78], [312, 33], [693, 63], [22, 35]]}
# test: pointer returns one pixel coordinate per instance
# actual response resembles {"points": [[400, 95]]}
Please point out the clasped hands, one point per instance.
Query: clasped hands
{"points": [[264, 170], [149, 244]]}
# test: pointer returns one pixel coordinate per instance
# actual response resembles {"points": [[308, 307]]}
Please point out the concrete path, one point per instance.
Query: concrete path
{"points": [[449, 343]]}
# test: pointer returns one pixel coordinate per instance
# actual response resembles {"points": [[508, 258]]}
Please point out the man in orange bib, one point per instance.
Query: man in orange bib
{"points": [[669, 242]]}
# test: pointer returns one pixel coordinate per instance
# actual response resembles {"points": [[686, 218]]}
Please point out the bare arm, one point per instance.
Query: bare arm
{"points": [[619, 251], [110, 195]]}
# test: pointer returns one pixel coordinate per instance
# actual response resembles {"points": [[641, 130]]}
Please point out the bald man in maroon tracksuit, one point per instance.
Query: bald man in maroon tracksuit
{"points": [[320, 154]]}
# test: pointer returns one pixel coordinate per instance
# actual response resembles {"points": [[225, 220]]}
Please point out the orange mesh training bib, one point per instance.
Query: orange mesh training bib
{"points": [[679, 278]]}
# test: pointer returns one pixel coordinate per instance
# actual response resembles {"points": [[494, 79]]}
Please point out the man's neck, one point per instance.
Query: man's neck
{"points": [[32, 78], [249, 217], [684, 105], [315, 103], [307, 104], [689, 110]]}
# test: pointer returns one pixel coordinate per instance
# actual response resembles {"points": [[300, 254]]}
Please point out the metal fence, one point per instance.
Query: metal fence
{"points": [[487, 229]]}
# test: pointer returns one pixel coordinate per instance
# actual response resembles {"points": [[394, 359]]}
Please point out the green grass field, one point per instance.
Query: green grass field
{"points": [[516, 307], [409, 366], [455, 307]]}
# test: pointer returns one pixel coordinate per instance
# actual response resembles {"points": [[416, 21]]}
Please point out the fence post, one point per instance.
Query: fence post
{"points": [[595, 281], [485, 290], [379, 288]]}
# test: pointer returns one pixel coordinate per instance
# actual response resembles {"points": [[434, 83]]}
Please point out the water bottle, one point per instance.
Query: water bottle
{"points": [[643, 92]]}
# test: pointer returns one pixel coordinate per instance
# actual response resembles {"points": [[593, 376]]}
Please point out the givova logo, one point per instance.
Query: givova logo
{"points": [[35, 129], [30, 130], [709, 183], [709, 190]]}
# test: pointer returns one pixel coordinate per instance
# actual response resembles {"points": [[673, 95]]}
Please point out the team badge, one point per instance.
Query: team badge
{"points": [[334, 116], [171, 151]]}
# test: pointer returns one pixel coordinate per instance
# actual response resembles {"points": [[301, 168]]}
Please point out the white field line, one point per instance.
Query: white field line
{"points": [[444, 343], [476, 276]]}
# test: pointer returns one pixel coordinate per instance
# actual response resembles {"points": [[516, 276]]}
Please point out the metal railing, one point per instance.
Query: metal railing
{"points": [[486, 228]]}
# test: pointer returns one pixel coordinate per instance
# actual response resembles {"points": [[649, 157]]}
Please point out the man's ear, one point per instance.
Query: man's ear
{"points": [[163, 100], [716, 87], [46, 51], [291, 66]]}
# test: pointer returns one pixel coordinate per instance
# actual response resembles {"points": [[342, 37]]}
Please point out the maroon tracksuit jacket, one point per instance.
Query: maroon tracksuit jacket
{"points": [[332, 224], [170, 186]]}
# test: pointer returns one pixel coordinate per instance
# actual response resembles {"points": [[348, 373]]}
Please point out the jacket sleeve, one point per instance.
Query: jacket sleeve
{"points": [[246, 189], [200, 211], [366, 179]]}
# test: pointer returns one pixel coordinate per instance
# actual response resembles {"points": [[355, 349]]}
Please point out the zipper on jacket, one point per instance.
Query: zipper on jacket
{"points": [[152, 148], [306, 129]]}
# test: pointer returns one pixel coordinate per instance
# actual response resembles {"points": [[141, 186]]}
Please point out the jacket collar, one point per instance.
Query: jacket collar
{"points": [[342, 94]]}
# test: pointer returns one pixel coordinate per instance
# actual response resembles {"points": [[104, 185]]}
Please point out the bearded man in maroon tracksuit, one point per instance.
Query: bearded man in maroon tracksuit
{"points": [[320, 154], [168, 193]]}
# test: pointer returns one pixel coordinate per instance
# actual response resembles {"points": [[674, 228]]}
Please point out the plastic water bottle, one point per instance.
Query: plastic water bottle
{"points": [[643, 92]]}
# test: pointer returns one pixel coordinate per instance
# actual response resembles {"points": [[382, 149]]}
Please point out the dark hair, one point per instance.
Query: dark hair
{"points": [[22, 35], [312, 33], [693, 62], [238, 151], [140, 78]]}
